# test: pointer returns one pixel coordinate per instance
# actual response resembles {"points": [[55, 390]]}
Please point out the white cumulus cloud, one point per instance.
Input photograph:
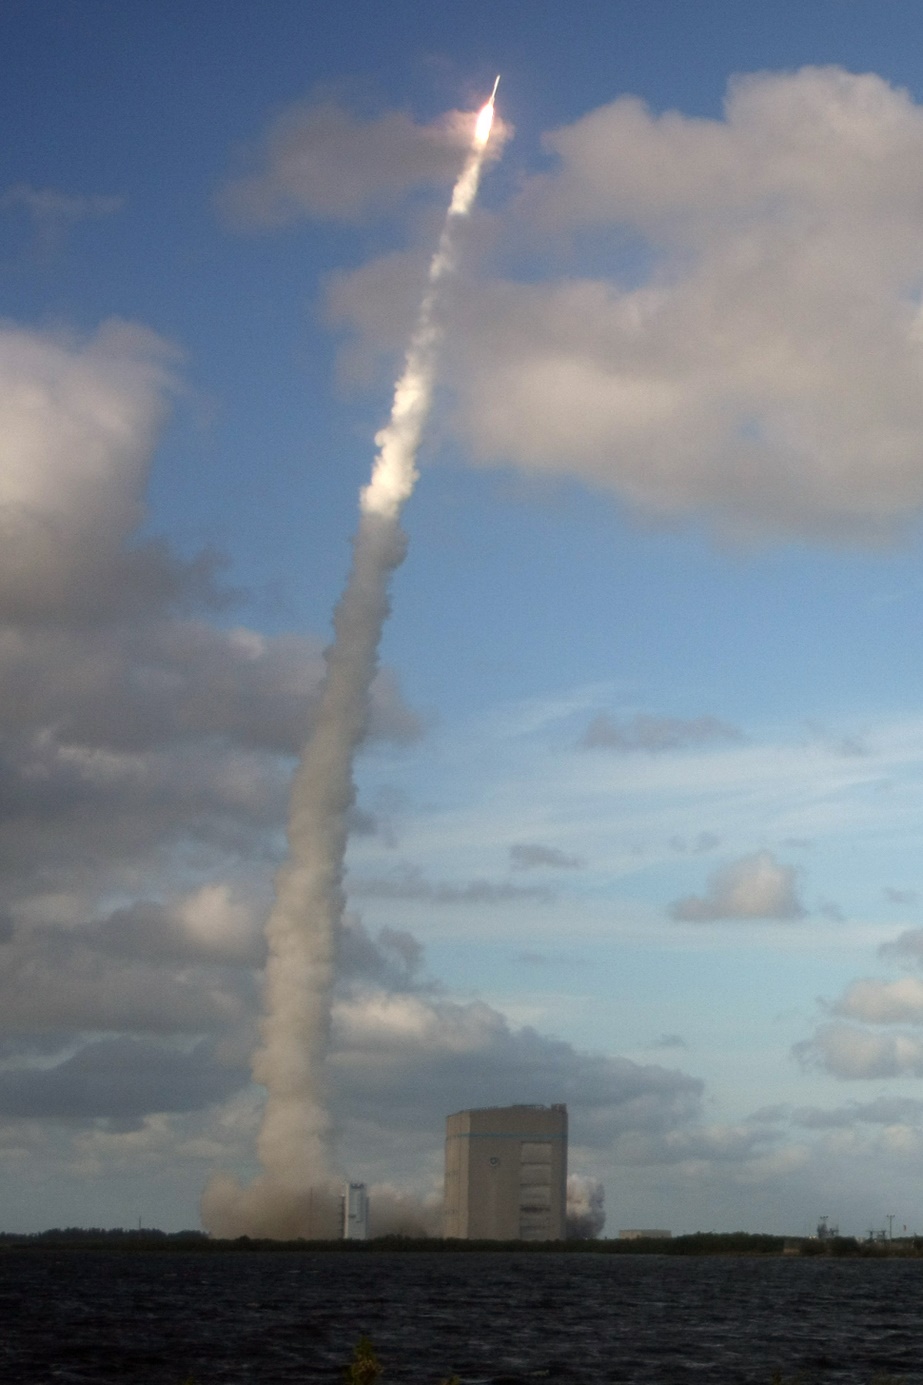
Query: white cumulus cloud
{"points": [[747, 347], [853, 1052], [882, 1002], [755, 887]]}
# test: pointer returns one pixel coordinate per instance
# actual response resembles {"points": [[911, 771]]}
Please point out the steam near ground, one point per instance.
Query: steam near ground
{"points": [[586, 1212], [269, 1211]]}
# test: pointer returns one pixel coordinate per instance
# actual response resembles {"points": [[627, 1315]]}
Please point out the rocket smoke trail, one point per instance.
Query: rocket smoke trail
{"points": [[293, 1196]]}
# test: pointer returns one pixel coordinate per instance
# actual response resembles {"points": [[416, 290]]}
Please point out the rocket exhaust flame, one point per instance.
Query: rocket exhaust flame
{"points": [[294, 1196], [486, 117]]}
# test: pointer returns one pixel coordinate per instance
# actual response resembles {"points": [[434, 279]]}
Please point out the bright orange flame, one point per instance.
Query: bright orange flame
{"points": [[484, 122]]}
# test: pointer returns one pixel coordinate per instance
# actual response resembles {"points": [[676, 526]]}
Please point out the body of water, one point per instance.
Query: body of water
{"points": [[78, 1317]]}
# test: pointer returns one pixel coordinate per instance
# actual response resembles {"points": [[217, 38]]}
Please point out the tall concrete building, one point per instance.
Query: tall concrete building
{"points": [[506, 1174]]}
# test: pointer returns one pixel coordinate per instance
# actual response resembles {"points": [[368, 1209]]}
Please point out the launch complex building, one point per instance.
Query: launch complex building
{"points": [[506, 1174]]}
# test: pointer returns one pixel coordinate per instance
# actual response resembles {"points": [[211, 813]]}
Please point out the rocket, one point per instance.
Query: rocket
{"points": [[485, 118]]}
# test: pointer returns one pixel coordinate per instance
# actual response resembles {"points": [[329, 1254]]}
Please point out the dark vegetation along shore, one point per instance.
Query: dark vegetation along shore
{"points": [[148, 1239]]}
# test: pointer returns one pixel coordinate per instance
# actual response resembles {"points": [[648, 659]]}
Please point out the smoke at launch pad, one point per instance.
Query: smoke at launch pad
{"points": [[296, 1194]]}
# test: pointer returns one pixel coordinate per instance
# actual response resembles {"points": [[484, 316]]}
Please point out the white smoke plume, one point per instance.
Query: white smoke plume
{"points": [[586, 1211], [394, 1212], [296, 1194]]}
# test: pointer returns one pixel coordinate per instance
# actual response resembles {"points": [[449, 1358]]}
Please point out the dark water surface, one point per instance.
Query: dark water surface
{"points": [[500, 1319]]}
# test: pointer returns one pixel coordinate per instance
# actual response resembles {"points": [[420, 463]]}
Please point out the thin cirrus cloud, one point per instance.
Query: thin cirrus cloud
{"points": [[717, 1144], [902, 897], [669, 1041], [409, 883], [700, 844], [52, 212], [655, 734], [754, 887], [50, 204], [533, 856], [890, 1110]]}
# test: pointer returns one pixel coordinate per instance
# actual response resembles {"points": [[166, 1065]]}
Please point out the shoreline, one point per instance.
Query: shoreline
{"points": [[146, 1240]]}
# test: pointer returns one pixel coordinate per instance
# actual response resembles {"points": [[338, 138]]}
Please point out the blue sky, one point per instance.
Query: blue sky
{"points": [[644, 769]]}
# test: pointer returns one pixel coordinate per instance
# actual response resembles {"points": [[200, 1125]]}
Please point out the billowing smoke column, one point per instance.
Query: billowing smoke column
{"points": [[586, 1207], [296, 1194]]}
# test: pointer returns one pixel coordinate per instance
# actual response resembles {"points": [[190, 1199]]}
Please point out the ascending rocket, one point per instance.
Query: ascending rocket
{"points": [[486, 117]]}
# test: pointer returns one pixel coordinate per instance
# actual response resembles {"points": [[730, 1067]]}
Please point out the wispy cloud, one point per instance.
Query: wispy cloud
{"points": [[900, 897], [701, 843], [408, 882], [907, 948], [320, 159], [552, 959], [884, 1110], [52, 212], [655, 734], [532, 856]]}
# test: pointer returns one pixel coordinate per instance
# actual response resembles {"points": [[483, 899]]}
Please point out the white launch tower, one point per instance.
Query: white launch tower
{"points": [[355, 1212]]}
